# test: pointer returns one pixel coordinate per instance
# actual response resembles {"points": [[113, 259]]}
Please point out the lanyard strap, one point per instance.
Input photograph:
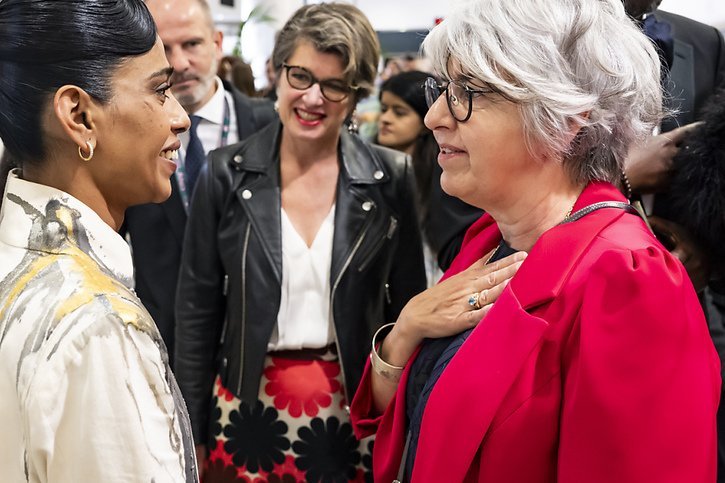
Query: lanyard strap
{"points": [[226, 122], [181, 167], [181, 182]]}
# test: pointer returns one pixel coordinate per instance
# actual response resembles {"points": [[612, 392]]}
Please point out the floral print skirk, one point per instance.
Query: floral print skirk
{"points": [[297, 431]]}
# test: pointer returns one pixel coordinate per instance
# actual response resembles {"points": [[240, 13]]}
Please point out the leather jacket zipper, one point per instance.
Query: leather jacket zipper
{"points": [[244, 304], [225, 292], [392, 226], [355, 248]]}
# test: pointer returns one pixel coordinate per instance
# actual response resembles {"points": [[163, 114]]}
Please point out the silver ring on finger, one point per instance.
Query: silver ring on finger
{"points": [[475, 300]]}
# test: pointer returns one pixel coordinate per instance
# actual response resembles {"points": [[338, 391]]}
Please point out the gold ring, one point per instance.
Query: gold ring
{"points": [[474, 301]]}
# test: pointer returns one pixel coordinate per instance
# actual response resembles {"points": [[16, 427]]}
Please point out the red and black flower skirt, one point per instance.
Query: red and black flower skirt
{"points": [[297, 431]]}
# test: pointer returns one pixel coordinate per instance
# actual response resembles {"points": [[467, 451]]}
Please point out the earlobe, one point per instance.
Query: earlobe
{"points": [[75, 112], [577, 123], [576, 126]]}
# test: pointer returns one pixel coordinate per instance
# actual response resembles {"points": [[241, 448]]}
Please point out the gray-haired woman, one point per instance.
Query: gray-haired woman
{"points": [[594, 364]]}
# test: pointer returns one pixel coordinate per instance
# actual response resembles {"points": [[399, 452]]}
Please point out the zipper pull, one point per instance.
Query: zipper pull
{"points": [[225, 287], [392, 227]]}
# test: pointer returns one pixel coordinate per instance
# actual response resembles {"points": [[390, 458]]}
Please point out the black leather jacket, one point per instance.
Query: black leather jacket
{"points": [[230, 281]]}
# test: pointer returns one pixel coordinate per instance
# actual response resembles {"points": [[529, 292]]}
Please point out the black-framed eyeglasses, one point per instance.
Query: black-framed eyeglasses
{"points": [[459, 97], [334, 90]]}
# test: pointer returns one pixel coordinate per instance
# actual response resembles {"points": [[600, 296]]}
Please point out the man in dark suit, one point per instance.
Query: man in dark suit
{"points": [[693, 57], [220, 115]]}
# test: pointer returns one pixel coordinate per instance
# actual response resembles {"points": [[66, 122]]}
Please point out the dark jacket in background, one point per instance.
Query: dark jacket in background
{"points": [[231, 273], [698, 68], [698, 201], [447, 221], [156, 231]]}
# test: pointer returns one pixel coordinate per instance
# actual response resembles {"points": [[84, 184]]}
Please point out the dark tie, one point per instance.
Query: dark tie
{"points": [[661, 34], [194, 156]]}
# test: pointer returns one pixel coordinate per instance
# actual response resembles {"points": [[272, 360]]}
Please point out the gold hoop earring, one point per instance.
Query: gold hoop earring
{"points": [[90, 152]]}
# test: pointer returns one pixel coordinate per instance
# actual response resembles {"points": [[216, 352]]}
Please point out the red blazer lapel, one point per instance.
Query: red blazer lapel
{"points": [[467, 395]]}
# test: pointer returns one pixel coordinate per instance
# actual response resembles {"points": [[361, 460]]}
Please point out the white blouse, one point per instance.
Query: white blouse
{"points": [[304, 319]]}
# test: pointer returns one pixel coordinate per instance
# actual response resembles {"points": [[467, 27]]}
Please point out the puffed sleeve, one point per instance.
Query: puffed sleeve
{"points": [[641, 377], [100, 409]]}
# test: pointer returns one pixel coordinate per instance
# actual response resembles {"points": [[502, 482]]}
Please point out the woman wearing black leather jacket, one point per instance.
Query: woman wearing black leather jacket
{"points": [[301, 242]]}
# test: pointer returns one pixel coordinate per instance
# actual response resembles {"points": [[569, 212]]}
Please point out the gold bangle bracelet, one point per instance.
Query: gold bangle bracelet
{"points": [[382, 368]]}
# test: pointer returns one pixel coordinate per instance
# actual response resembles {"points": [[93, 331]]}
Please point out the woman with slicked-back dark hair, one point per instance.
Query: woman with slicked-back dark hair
{"points": [[87, 393]]}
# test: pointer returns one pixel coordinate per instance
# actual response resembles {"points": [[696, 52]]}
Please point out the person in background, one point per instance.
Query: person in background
{"points": [[367, 112], [692, 55], [594, 363], [220, 115], [270, 92], [237, 73], [301, 242], [697, 201], [400, 126], [693, 65], [91, 127]]}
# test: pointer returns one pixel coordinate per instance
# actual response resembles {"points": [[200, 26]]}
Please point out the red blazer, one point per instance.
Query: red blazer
{"points": [[594, 365]]}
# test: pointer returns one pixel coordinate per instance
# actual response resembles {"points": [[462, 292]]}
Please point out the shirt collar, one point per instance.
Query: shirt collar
{"points": [[41, 218], [213, 111]]}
